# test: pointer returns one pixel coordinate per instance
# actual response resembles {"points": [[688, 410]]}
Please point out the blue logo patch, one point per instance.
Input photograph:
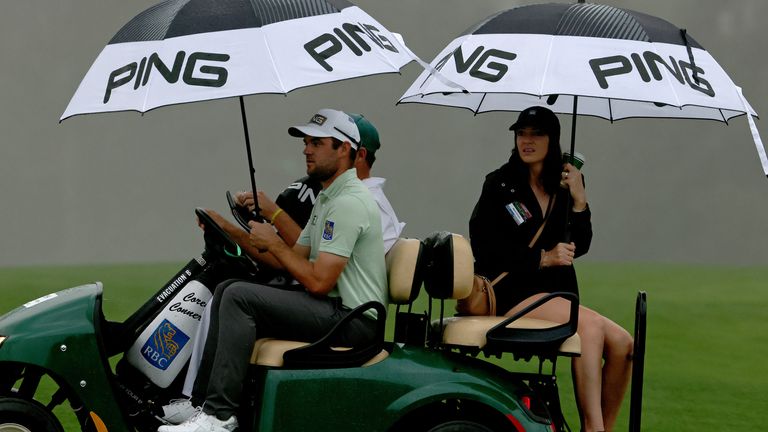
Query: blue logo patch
{"points": [[164, 345], [328, 230]]}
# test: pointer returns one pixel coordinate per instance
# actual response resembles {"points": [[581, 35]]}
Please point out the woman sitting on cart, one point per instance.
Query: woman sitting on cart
{"points": [[533, 188]]}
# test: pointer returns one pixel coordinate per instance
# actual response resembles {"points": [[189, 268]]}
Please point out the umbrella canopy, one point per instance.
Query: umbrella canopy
{"points": [[182, 51], [586, 59]]}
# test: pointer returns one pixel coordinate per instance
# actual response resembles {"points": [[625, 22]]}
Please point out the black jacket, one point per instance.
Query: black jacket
{"points": [[499, 244]]}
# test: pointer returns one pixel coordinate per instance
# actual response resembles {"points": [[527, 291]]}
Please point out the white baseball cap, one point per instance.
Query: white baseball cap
{"points": [[329, 123]]}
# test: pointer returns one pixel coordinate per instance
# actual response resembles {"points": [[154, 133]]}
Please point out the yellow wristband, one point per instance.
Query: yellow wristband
{"points": [[274, 215]]}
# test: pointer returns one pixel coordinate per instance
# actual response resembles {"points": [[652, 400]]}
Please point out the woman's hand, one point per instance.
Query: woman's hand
{"points": [[571, 178], [560, 255]]}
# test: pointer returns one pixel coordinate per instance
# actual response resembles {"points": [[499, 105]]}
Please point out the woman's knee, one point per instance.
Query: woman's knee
{"points": [[619, 342], [591, 324]]}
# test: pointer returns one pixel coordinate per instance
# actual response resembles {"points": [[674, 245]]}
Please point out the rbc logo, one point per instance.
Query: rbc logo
{"points": [[328, 230], [166, 342]]}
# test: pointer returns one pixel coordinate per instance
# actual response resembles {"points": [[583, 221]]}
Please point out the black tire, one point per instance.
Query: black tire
{"points": [[458, 426], [20, 415]]}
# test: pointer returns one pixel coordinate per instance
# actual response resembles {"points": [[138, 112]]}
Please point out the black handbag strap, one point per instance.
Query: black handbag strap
{"points": [[550, 206]]}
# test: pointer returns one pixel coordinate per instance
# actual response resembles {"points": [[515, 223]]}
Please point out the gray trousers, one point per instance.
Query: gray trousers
{"points": [[241, 313]]}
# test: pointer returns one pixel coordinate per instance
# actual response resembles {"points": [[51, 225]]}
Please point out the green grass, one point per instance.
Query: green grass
{"points": [[707, 341]]}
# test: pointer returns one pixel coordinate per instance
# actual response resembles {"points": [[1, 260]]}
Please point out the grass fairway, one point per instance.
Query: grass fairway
{"points": [[707, 341], [707, 332]]}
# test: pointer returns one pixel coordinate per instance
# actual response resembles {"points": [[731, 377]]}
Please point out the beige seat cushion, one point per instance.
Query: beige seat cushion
{"points": [[269, 352], [450, 270], [402, 261], [463, 267], [470, 331]]}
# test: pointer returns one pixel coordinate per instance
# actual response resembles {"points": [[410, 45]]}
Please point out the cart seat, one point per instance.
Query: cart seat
{"points": [[450, 275], [404, 282], [269, 352], [470, 332]]}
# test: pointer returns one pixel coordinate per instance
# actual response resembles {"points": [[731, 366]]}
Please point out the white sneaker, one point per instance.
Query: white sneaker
{"points": [[178, 411], [203, 422]]}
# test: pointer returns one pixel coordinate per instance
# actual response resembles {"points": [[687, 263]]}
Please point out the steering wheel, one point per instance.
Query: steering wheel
{"points": [[241, 213], [218, 242]]}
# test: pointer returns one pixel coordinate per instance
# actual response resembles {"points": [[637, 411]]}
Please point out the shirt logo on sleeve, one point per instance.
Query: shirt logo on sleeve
{"points": [[328, 230]]}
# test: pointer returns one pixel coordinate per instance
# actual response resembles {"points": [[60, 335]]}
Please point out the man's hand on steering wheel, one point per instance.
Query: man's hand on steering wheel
{"points": [[218, 242], [238, 206]]}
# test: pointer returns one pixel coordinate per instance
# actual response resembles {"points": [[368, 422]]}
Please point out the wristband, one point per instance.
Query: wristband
{"points": [[274, 215]]}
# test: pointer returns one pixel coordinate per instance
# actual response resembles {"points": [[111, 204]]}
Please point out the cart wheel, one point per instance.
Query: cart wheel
{"points": [[457, 426], [638, 363], [20, 415]]}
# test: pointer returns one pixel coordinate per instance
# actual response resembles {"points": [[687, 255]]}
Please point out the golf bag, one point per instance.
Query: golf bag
{"points": [[165, 345]]}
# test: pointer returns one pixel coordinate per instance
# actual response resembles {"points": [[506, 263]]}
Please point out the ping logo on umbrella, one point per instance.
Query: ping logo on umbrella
{"points": [[647, 66], [327, 45], [165, 344], [139, 72], [479, 58]]}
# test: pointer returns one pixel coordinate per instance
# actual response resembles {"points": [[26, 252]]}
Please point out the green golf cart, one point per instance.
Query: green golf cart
{"points": [[433, 375]]}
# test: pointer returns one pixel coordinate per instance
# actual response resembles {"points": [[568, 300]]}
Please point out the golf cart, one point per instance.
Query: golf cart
{"points": [[430, 377]]}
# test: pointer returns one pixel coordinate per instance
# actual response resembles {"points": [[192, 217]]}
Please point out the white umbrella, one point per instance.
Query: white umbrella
{"points": [[585, 59], [181, 51]]}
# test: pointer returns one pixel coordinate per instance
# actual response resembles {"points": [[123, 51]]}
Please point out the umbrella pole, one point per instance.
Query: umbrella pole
{"points": [[573, 128], [255, 214], [567, 230]]}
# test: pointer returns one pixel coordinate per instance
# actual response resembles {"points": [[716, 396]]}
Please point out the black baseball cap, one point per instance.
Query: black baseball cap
{"points": [[537, 117]]}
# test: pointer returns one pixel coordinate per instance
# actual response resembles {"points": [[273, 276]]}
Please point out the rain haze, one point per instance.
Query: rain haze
{"points": [[121, 187]]}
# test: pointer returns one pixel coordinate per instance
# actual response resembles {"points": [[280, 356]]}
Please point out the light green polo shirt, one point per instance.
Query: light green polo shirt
{"points": [[345, 221]]}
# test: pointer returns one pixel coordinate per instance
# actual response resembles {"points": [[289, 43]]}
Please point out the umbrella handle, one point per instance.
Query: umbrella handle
{"points": [[255, 215], [567, 227]]}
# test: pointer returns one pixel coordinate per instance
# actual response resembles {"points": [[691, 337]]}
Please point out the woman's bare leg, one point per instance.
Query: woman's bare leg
{"points": [[616, 371], [587, 369]]}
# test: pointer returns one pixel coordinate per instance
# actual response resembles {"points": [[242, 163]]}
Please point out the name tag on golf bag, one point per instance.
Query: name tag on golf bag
{"points": [[165, 345]]}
